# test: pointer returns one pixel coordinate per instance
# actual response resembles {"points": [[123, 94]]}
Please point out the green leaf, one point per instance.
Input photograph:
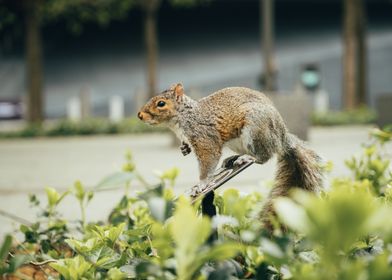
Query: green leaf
{"points": [[160, 208], [52, 195], [292, 214], [221, 252], [189, 232], [114, 232], [18, 261], [5, 247], [85, 247], [116, 274], [116, 180], [156, 191], [170, 175], [73, 269], [128, 270], [145, 269], [271, 248], [79, 191], [61, 268]]}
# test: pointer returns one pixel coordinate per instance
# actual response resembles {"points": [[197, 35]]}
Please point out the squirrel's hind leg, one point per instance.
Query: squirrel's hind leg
{"points": [[260, 148]]}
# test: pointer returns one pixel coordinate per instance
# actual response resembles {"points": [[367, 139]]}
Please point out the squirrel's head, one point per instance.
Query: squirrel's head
{"points": [[162, 108]]}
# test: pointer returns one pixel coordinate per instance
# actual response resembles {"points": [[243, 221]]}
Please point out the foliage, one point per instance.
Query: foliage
{"points": [[346, 233], [77, 12], [84, 127], [357, 116], [373, 167]]}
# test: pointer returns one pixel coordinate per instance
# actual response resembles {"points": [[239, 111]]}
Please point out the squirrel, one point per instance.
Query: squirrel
{"points": [[244, 120]]}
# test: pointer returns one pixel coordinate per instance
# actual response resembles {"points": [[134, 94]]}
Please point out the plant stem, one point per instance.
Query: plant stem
{"points": [[83, 211]]}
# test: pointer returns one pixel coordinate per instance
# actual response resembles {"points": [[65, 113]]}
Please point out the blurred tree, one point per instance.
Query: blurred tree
{"points": [[33, 54], [34, 71], [268, 79], [150, 9], [355, 54], [37, 12]]}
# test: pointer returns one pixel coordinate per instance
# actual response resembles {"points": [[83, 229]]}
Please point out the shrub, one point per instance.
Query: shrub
{"points": [[84, 127], [357, 116], [344, 234]]}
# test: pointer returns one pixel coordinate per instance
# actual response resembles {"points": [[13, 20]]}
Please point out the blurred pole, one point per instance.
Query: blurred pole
{"points": [[151, 40], [85, 104], [362, 53], [116, 108], [267, 27], [355, 57], [74, 109], [34, 72]]}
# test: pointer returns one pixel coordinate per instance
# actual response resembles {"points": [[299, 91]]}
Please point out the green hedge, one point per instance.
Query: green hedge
{"points": [[357, 116], [85, 127]]}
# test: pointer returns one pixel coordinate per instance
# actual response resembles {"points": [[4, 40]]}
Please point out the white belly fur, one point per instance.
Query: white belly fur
{"points": [[236, 145], [179, 133], [240, 144]]}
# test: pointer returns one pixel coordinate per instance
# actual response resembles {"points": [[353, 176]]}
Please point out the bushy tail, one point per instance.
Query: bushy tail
{"points": [[298, 167]]}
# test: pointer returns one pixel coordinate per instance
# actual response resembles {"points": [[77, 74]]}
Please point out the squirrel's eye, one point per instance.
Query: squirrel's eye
{"points": [[161, 103]]}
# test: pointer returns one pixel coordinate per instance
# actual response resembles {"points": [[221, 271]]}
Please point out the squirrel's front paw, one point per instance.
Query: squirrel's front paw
{"points": [[185, 149]]}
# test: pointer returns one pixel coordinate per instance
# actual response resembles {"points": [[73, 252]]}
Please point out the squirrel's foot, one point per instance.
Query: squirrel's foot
{"points": [[185, 149], [229, 162], [243, 160], [198, 189]]}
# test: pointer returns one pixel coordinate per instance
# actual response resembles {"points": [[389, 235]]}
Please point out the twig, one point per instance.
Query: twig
{"points": [[15, 218], [222, 175]]}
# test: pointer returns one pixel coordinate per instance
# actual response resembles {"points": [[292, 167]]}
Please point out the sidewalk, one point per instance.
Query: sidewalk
{"points": [[29, 165]]}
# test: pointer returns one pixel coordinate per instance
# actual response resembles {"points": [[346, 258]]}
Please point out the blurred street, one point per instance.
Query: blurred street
{"points": [[27, 166], [231, 61]]}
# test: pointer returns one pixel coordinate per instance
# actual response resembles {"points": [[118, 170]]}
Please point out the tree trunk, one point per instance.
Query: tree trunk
{"points": [[151, 41], [362, 54], [267, 27], [354, 60], [34, 69], [350, 53]]}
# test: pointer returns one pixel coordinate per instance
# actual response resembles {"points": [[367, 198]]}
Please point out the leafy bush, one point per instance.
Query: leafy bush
{"points": [[85, 127], [346, 233], [357, 116]]}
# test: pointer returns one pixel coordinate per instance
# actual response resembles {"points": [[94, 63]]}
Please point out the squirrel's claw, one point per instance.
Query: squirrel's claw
{"points": [[185, 149], [197, 190], [243, 160]]}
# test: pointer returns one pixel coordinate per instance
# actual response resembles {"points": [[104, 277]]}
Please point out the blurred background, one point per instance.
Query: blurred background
{"points": [[55, 50], [76, 67]]}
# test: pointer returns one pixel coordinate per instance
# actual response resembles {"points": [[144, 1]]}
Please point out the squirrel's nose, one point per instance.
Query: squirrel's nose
{"points": [[140, 115]]}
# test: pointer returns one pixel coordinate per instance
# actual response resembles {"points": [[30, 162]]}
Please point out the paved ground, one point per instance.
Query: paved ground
{"points": [[27, 166]]}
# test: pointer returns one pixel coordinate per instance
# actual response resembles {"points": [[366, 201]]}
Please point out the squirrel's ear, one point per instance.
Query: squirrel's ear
{"points": [[178, 90]]}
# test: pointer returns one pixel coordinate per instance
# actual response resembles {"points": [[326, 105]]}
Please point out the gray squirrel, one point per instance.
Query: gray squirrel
{"points": [[244, 120]]}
